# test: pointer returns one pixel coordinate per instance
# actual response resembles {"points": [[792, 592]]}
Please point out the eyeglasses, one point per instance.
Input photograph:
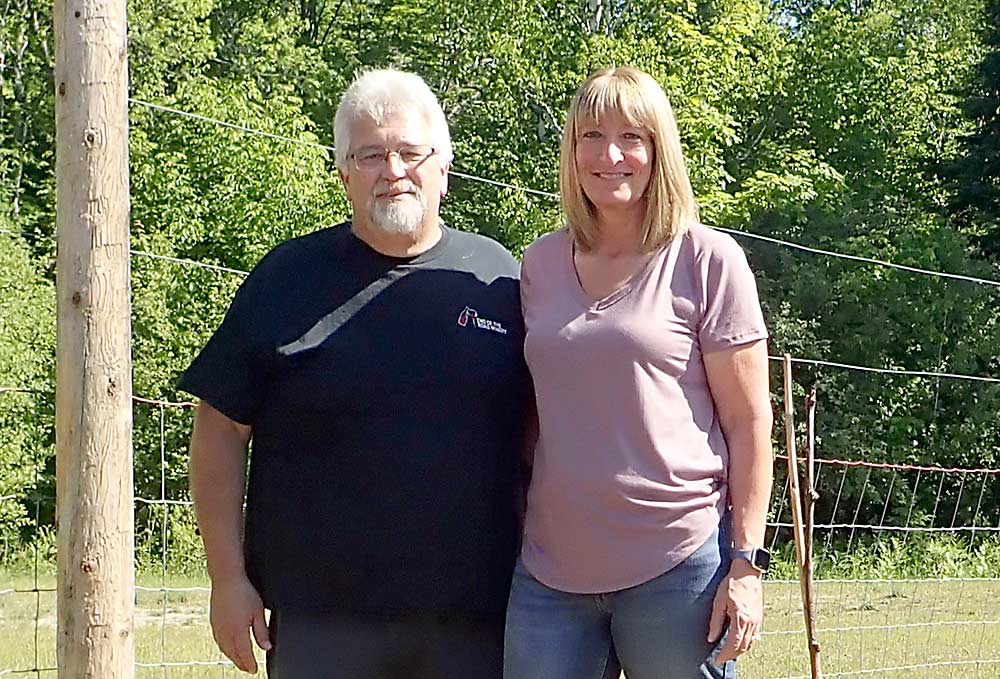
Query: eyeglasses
{"points": [[371, 159]]}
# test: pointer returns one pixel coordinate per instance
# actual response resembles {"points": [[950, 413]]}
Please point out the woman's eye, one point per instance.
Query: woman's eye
{"points": [[591, 134]]}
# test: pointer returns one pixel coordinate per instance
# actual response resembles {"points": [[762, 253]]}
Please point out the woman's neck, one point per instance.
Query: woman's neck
{"points": [[619, 233]]}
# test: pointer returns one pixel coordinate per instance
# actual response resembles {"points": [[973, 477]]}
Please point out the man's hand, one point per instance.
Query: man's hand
{"points": [[740, 600], [236, 608]]}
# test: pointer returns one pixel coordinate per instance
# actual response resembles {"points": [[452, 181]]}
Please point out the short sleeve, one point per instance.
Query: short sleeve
{"points": [[230, 372], [539, 263], [732, 308], [524, 285]]}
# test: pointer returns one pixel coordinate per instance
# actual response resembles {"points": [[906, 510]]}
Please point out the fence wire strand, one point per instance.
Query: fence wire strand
{"points": [[554, 196]]}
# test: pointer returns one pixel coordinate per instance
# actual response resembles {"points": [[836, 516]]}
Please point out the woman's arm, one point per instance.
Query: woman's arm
{"points": [[738, 380]]}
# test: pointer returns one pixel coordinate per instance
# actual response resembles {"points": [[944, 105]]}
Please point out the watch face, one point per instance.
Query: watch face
{"points": [[761, 559]]}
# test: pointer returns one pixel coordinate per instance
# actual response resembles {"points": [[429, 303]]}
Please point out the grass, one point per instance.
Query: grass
{"points": [[946, 621], [170, 627], [877, 625]]}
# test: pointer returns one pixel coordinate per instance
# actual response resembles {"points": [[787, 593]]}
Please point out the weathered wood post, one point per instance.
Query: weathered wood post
{"points": [[803, 560], [809, 498], [94, 502]]}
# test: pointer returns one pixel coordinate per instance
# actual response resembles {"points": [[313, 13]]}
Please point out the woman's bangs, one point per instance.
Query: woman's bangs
{"points": [[612, 95]]}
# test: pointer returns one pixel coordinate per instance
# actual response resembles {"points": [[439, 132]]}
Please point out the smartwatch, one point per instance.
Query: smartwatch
{"points": [[758, 557]]}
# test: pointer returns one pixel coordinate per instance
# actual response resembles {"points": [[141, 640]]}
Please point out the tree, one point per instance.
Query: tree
{"points": [[27, 325], [27, 124], [973, 174]]}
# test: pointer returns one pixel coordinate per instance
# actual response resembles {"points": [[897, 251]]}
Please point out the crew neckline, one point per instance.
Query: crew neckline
{"points": [[430, 254]]}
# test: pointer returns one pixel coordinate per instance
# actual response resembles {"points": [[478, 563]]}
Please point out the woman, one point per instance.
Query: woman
{"points": [[652, 472]]}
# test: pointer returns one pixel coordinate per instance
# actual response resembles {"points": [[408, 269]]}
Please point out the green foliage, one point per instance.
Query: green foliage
{"points": [[863, 127], [913, 556], [863, 99], [916, 556], [27, 326], [27, 134], [167, 541], [973, 173]]}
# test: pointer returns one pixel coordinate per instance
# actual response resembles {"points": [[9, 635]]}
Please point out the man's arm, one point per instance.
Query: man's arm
{"points": [[525, 462], [739, 383], [218, 477]]}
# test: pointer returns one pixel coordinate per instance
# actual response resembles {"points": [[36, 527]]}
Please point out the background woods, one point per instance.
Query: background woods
{"points": [[867, 127]]}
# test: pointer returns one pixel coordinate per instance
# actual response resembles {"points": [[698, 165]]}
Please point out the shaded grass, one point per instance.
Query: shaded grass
{"points": [[906, 623]]}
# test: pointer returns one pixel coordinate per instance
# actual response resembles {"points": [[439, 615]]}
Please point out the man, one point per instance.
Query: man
{"points": [[376, 367]]}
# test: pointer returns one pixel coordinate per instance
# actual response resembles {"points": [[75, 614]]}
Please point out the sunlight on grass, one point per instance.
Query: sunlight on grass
{"points": [[863, 626]]}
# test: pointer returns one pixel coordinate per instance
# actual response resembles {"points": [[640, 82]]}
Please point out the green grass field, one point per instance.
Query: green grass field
{"points": [[942, 622]]}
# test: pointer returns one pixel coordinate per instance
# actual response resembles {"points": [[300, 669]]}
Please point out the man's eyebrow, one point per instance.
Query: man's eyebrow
{"points": [[400, 144]]}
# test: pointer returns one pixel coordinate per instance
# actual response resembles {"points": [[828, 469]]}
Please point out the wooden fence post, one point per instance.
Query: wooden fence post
{"points": [[94, 503], [809, 499], [798, 534]]}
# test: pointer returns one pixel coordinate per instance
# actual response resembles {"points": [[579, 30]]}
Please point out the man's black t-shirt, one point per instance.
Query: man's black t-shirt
{"points": [[387, 398]]}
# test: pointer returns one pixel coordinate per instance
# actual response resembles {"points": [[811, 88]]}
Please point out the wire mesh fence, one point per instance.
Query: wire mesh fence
{"points": [[933, 626], [929, 626], [868, 517]]}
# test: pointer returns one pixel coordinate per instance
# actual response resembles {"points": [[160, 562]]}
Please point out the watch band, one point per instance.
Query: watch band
{"points": [[758, 557]]}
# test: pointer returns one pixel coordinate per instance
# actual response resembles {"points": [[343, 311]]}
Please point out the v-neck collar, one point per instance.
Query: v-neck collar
{"points": [[585, 298]]}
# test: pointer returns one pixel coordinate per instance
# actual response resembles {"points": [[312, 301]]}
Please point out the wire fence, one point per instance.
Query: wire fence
{"points": [[172, 636], [554, 196], [931, 626]]}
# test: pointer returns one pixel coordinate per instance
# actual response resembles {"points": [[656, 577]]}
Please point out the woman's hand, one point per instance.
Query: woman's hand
{"points": [[739, 600]]}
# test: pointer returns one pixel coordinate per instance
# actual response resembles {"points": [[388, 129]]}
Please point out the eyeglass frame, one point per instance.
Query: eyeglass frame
{"points": [[386, 153]]}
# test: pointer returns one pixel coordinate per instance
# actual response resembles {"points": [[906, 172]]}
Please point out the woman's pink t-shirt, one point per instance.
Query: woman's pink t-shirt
{"points": [[630, 468]]}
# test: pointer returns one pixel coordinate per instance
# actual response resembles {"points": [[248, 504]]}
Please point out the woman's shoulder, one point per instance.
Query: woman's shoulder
{"points": [[548, 245], [708, 242]]}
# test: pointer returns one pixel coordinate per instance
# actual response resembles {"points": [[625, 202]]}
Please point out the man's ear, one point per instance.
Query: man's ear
{"points": [[345, 179], [444, 178]]}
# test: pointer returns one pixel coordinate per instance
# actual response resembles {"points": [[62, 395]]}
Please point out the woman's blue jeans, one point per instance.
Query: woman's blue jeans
{"points": [[658, 629]]}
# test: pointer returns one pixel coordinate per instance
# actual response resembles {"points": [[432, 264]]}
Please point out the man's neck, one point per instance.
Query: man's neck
{"points": [[398, 244]]}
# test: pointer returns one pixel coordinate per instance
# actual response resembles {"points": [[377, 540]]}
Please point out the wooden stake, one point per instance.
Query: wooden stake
{"points": [[796, 504], [94, 504], [811, 495], [810, 498]]}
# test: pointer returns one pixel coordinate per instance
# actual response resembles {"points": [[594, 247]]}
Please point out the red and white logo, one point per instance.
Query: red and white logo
{"points": [[467, 313], [470, 316]]}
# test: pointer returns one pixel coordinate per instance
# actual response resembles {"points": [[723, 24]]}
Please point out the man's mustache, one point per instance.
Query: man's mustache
{"points": [[397, 187]]}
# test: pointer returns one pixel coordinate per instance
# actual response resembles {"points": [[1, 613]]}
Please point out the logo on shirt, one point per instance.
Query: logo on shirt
{"points": [[470, 316]]}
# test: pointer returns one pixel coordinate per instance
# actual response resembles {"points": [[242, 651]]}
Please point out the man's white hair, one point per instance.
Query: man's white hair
{"points": [[381, 94]]}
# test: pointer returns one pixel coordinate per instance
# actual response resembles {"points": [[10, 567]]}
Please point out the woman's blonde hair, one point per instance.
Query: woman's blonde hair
{"points": [[636, 96]]}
